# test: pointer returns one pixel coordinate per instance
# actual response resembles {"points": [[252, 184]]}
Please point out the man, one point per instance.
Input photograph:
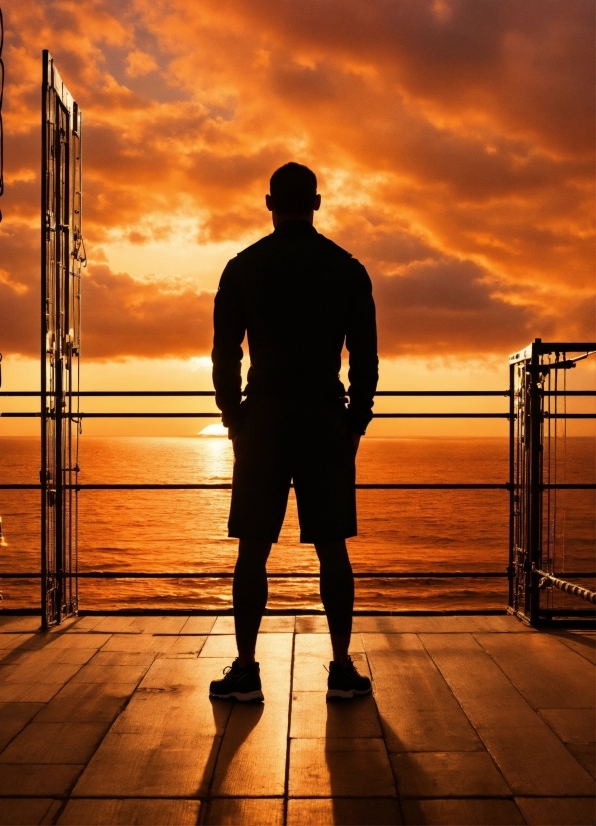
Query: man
{"points": [[298, 297]]}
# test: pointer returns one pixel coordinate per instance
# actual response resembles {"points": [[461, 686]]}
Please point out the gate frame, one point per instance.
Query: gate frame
{"points": [[528, 486], [62, 253]]}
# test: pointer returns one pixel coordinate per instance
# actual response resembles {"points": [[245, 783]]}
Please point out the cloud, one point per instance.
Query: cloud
{"points": [[453, 141], [447, 306], [139, 63]]}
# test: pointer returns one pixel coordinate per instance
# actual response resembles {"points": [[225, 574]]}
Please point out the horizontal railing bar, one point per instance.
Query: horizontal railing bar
{"points": [[154, 415], [272, 612], [548, 415], [228, 486], [282, 575], [441, 416], [274, 575], [570, 486], [567, 392], [132, 393], [359, 486]]}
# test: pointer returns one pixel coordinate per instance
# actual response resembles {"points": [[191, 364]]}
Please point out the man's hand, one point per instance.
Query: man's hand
{"points": [[356, 440]]}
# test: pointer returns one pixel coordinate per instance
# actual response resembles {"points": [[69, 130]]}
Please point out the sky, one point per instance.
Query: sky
{"points": [[453, 141]]}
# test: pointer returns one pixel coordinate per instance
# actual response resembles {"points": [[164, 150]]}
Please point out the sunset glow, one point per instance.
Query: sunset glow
{"points": [[214, 430], [453, 142]]}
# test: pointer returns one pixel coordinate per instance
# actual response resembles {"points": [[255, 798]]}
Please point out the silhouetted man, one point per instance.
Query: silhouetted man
{"points": [[299, 297]]}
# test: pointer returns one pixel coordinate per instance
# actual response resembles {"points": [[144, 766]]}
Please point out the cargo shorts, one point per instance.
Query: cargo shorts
{"points": [[280, 441]]}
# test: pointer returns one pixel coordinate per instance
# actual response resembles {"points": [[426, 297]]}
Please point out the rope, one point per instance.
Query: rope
{"points": [[568, 587]]}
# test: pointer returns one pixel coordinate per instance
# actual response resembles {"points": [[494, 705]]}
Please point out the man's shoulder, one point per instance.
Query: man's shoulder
{"points": [[260, 247], [268, 247]]}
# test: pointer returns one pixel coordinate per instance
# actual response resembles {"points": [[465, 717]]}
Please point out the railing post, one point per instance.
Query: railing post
{"points": [[534, 556], [512, 490]]}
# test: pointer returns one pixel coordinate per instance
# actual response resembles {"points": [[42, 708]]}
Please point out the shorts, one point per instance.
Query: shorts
{"points": [[280, 441]]}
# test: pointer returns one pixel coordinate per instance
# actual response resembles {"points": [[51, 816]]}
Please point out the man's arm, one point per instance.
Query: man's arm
{"points": [[228, 328], [361, 343]]}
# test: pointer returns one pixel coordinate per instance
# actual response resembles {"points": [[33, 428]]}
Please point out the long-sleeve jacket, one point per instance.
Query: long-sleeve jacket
{"points": [[299, 297]]}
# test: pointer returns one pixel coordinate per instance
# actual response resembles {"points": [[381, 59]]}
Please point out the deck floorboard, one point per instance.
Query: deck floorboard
{"points": [[473, 720]]}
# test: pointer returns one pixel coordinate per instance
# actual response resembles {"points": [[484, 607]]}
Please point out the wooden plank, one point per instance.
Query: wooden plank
{"points": [[17, 810], [252, 759], [223, 625], [14, 717], [353, 812], [45, 673], [85, 624], [136, 658], [198, 625], [20, 624], [174, 695], [27, 780], [585, 753], [448, 774], [86, 703], [163, 645], [69, 640], [166, 740], [154, 763], [312, 716], [48, 656], [543, 811], [278, 646], [340, 767], [247, 811], [131, 812], [461, 812], [55, 743], [98, 673], [312, 625], [573, 725], [312, 653], [28, 692], [320, 645], [269, 625], [546, 672], [158, 625], [438, 624], [582, 644], [117, 625], [530, 756], [11, 641], [417, 708]]}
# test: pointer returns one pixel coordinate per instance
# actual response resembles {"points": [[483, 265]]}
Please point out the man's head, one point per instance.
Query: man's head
{"points": [[293, 193]]}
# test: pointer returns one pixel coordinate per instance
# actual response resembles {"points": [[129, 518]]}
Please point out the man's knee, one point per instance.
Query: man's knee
{"points": [[253, 552], [334, 552]]}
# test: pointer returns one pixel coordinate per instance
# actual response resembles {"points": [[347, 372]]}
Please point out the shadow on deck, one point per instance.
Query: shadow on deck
{"points": [[474, 720]]}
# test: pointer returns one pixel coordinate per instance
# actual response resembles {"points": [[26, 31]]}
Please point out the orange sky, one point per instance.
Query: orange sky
{"points": [[453, 141]]}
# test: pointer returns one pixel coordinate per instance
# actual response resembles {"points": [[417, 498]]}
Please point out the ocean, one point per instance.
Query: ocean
{"points": [[182, 531]]}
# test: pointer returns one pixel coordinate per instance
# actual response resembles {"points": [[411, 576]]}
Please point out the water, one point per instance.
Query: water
{"points": [[186, 530]]}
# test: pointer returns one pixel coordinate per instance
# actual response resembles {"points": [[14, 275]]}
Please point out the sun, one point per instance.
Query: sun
{"points": [[214, 430]]}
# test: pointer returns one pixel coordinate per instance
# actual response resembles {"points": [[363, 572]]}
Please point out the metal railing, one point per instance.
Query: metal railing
{"points": [[508, 486]]}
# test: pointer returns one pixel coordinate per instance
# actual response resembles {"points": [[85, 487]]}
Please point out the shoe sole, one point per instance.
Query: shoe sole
{"points": [[338, 694], [243, 697]]}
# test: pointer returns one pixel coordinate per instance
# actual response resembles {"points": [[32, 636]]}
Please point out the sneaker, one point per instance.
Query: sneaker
{"points": [[344, 682], [242, 684]]}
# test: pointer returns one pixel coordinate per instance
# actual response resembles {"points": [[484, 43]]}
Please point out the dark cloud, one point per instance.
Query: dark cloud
{"points": [[444, 307]]}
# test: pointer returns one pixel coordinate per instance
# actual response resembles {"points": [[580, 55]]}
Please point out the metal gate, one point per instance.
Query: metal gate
{"points": [[540, 406], [62, 254]]}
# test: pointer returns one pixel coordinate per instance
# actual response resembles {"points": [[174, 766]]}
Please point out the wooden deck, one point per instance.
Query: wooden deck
{"points": [[474, 720]]}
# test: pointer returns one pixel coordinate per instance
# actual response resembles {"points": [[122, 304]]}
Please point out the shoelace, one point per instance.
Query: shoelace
{"points": [[350, 666]]}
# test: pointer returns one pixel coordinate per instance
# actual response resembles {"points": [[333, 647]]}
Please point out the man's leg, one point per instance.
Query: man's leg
{"points": [[249, 596], [337, 595]]}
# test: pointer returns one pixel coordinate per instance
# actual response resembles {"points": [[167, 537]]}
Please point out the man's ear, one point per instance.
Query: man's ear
{"points": [[317, 203], [269, 203]]}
